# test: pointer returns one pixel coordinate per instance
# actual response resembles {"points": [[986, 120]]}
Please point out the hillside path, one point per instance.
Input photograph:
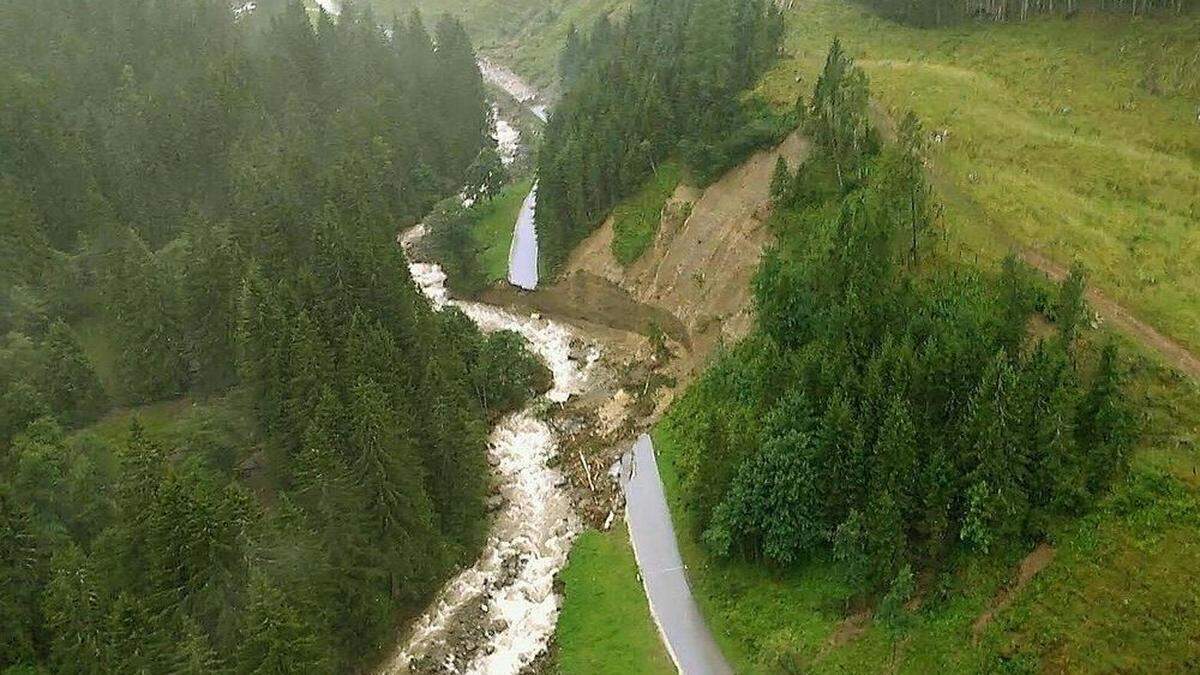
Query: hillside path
{"points": [[1171, 351], [664, 576]]}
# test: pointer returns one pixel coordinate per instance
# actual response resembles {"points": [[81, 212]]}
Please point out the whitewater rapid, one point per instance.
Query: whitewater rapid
{"points": [[331, 7], [515, 86], [507, 137], [513, 580]]}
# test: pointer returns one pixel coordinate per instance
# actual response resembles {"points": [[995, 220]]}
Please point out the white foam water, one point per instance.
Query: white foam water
{"points": [[331, 7], [508, 138], [535, 527], [533, 532], [515, 86]]}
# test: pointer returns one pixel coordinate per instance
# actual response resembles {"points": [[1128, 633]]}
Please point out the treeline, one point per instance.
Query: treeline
{"points": [[893, 408], [208, 200], [945, 12], [666, 79]]}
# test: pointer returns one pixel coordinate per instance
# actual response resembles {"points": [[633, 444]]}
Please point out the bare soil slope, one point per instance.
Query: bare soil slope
{"points": [[700, 267]]}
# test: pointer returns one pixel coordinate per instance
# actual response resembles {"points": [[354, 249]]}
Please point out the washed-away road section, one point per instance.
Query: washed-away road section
{"points": [[687, 637]]}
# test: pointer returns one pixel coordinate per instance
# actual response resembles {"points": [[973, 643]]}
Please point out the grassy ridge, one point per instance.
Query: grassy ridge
{"points": [[605, 625], [1079, 138]]}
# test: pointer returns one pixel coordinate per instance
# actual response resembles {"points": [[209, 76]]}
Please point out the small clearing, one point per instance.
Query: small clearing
{"points": [[848, 630]]}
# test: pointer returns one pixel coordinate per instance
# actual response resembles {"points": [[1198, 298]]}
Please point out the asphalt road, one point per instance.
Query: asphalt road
{"points": [[523, 253], [663, 575]]}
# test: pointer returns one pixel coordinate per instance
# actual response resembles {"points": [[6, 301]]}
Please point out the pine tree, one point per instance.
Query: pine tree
{"points": [[907, 194], [895, 458], [308, 370], [194, 534], [465, 117], [277, 636], [1071, 310], [70, 384], [841, 442], [75, 614], [570, 60], [773, 504], [193, 654], [1105, 424], [839, 115], [20, 563], [386, 465], [998, 502], [781, 182], [210, 291], [25, 254], [1016, 304], [145, 309]]}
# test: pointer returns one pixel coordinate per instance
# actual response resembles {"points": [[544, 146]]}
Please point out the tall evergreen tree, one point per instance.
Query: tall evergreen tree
{"points": [[69, 381]]}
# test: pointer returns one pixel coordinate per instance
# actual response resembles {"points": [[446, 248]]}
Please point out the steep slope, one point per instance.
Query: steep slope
{"points": [[1058, 137], [704, 256], [1077, 139]]}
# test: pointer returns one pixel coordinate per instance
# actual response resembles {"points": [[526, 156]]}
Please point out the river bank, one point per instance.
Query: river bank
{"points": [[499, 615]]}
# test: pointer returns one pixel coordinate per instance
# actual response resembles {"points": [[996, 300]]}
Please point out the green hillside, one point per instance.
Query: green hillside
{"points": [[1078, 138], [1073, 139], [525, 35]]}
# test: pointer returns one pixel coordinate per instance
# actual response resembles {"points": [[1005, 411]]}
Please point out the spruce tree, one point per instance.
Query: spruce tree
{"points": [[1071, 310], [781, 181], [1106, 424], [21, 565], [69, 382], [386, 466], [277, 636]]}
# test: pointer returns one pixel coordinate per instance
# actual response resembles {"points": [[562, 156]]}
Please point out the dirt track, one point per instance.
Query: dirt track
{"points": [[1171, 351]]}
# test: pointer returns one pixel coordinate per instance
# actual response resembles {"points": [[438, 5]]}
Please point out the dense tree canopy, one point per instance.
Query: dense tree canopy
{"points": [[666, 79], [888, 411], [203, 202]]}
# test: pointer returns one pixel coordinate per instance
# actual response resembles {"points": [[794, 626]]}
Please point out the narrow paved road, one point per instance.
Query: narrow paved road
{"points": [[679, 620], [523, 253]]}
